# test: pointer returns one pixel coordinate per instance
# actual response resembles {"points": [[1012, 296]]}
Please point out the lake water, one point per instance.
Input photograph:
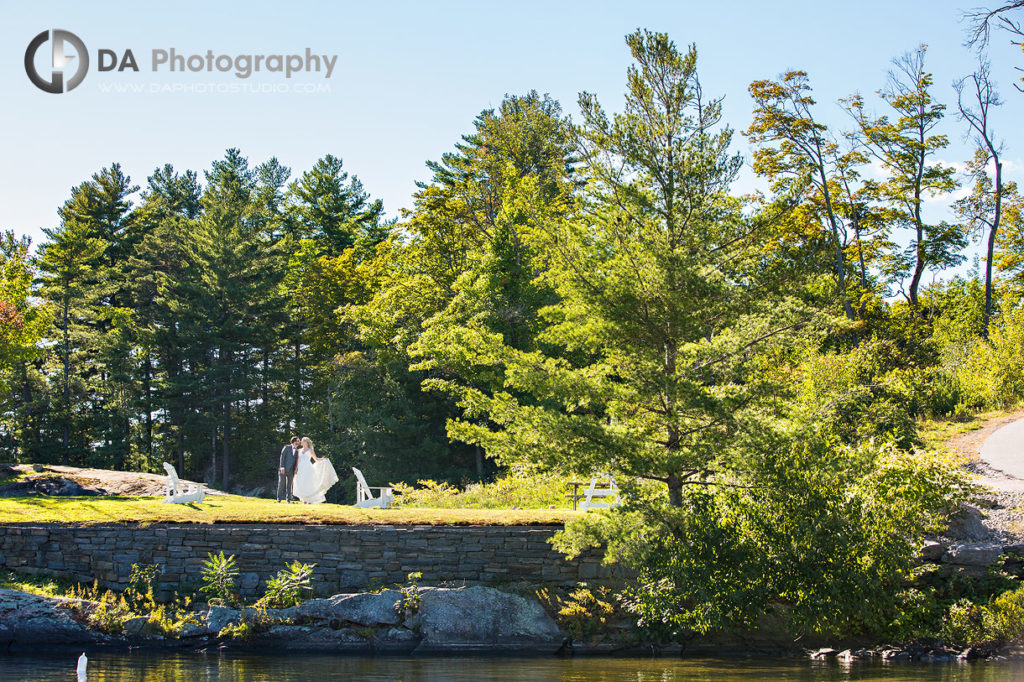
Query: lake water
{"points": [[216, 667]]}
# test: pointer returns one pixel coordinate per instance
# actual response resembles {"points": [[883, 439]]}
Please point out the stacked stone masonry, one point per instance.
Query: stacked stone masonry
{"points": [[347, 558]]}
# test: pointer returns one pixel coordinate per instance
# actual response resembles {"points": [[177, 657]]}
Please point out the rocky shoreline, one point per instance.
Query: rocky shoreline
{"points": [[451, 621], [465, 620]]}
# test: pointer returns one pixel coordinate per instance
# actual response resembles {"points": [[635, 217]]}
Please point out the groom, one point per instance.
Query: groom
{"points": [[286, 469]]}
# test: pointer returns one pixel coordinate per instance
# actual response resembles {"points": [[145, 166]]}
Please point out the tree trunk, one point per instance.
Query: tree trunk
{"points": [[66, 361], [226, 441], [675, 490], [992, 245], [840, 264], [298, 384], [915, 282]]}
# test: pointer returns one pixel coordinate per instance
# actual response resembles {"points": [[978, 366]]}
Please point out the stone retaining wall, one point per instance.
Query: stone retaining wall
{"points": [[347, 558]]}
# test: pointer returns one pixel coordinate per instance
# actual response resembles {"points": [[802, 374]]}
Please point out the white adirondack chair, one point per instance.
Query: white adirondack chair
{"points": [[364, 493], [176, 490], [601, 488]]}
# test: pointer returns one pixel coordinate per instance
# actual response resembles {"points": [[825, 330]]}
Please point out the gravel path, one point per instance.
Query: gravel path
{"points": [[996, 452]]}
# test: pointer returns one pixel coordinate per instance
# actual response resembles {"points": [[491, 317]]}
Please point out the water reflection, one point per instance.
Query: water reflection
{"points": [[214, 667]]}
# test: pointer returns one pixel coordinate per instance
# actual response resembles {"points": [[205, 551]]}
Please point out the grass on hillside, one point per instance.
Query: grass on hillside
{"points": [[236, 509], [936, 433]]}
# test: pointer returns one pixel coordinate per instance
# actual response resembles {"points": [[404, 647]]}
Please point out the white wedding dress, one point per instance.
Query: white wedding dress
{"points": [[313, 479]]}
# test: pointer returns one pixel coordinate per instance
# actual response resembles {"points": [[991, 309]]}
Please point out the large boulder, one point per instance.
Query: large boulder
{"points": [[219, 617], [932, 551], [484, 619], [973, 554], [28, 619], [366, 609], [968, 524]]}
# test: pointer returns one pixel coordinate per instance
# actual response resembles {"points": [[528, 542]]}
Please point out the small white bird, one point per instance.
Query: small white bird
{"points": [[83, 662]]}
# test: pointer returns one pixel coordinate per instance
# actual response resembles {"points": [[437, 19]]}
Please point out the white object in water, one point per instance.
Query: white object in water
{"points": [[83, 662]]}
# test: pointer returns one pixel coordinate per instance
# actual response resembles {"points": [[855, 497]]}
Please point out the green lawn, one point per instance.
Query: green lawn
{"points": [[236, 509]]}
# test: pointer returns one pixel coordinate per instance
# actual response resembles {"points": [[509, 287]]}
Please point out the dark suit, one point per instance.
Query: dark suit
{"points": [[289, 458]]}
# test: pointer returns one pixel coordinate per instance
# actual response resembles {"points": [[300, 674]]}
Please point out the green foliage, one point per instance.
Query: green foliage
{"points": [[142, 584], [290, 587], [108, 611], [524, 490], [43, 585], [991, 371], [822, 539], [584, 612], [218, 575], [1001, 620], [409, 603], [638, 367], [906, 146], [1004, 616], [243, 631], [963, 624]]}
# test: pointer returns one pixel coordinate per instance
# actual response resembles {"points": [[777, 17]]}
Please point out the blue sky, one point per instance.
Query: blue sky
{"points": [[411, 76]]}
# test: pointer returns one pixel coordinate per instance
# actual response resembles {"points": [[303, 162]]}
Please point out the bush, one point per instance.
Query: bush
{"points": [[822, 538], [864, 393], [991, 371], [534, 490], [218, 574], [585, 612], [411, 599], [290, 587], [963, 624], [1004, 617]]}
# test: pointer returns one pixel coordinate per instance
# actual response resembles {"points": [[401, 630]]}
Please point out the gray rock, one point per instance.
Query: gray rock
{"points": [[968, 524], [28, 619], [413, 621], [895, 655], [821, 654], [274, 615], [134, 626], [484, 619], [220, 616], [973, 554], [855, 655], [932, 551], [396, 641], [951, 570], [366, 609], [308, 638], [1016, 550], [192, 630]]}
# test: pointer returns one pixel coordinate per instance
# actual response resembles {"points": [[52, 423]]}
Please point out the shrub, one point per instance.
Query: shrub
{"points": [[822, 538], [1004, 617], [526, 490], [409, 604], [585, 612], [218, 574], [290, 587]]}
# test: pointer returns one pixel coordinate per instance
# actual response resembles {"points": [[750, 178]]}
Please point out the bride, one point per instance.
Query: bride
{"points": [[313, 475]]}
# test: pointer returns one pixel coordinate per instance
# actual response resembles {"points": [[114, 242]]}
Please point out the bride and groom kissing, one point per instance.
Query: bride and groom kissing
{"points": [[302, 475]]}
